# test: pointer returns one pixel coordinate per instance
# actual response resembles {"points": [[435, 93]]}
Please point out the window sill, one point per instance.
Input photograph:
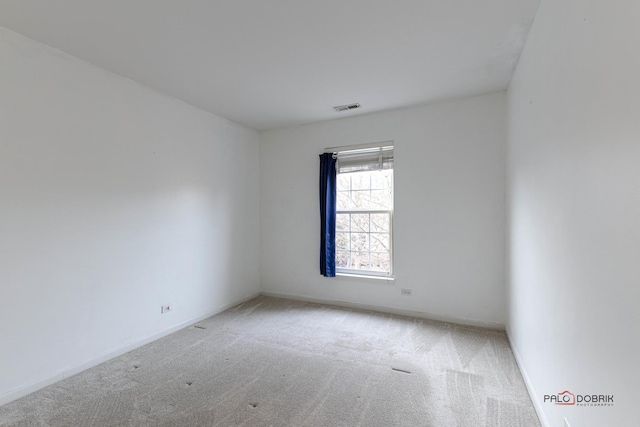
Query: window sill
{"points": [[382, 279]]}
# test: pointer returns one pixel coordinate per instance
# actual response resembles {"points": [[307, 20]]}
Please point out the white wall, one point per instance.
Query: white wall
{"points": [[114, 199], [449, 209], [574, 204]]}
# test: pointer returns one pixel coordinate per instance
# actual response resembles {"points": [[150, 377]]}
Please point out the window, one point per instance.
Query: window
{"points": [[364, 212]]}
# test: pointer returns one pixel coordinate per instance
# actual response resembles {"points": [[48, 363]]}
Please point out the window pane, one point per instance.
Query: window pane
{"points": [[380, 242], [380, 199], [343, 200], [380, 262], [342, 259], [342, 222], [381, 179], [360, 242], [360, 180], [342, 241], [360, 260], [359, 199], [360, 222], [380, 223], [343, 182]]}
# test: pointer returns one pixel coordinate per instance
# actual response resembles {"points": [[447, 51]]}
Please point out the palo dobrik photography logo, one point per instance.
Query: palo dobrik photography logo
{"points": [[566, 398]]}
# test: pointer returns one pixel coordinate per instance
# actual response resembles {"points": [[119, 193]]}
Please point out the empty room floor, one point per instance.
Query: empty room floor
{"points": [[277, 362]]}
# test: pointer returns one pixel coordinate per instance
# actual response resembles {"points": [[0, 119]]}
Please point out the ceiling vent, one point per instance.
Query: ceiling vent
{"points": [[347, 107]]}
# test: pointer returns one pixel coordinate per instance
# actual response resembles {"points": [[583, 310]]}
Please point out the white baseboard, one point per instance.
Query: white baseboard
{"points": [[527, 381], [391, 310], [76, 369]]}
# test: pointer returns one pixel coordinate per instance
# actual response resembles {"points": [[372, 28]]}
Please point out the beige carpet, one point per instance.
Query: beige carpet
{"points": [[275, 362]]}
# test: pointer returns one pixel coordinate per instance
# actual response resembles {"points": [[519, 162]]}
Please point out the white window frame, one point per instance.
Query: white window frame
{"points": [[369, 273]]}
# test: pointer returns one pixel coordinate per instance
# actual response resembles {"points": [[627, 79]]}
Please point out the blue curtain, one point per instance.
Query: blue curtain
{"points": [[327, 215]]}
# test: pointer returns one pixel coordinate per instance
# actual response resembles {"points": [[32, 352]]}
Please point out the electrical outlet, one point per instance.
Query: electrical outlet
{"points": [[166, 308], [406, 292], [566, 423]]}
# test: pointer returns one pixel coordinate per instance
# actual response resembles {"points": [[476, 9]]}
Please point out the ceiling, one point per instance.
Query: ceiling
{"points": [[279, 63]]}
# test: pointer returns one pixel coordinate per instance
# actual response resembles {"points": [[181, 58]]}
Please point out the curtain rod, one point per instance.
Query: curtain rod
{"points": [[359, 146]]}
